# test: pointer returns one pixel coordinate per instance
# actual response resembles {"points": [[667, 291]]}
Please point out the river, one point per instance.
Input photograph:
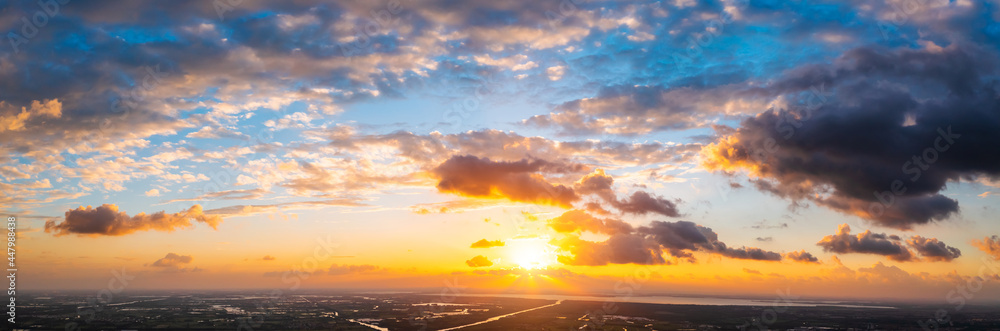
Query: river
{"points": [[376, 327], [491, 319]]}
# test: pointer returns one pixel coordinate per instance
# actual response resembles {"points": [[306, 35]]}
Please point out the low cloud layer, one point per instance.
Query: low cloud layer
{"points": [[172, 260], [649, 244], [479, 261], [933, 249], [106, 220], [618, 249], [175, 263], [483, 243], [676, 237], [802, 256], [890, 246]]}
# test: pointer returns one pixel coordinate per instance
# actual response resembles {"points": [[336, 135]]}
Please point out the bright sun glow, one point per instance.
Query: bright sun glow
{"points": [[531, 253]]}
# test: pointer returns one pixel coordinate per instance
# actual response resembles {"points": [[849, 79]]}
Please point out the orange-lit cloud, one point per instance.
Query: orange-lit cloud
{"points": [[108, 221], [802, 256], [479, 261], [990, 245], [600, 184], [15, 122], [642, 245], [618, 249], [483, 243], [517, 181], [579, 220], [454, 206], [597, 183], [173, 260]]}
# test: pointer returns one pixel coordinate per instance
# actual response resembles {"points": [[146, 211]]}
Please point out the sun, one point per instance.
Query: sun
{"points": [[531, 253]]}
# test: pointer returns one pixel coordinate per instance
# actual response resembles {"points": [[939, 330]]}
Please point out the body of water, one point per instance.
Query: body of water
{"points": [[677, 300]]}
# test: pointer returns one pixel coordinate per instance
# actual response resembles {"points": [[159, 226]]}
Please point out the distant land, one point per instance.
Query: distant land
{"points": [[335, 310]]}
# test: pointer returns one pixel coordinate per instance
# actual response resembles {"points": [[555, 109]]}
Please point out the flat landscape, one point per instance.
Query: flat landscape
{"points": [[257, 310]]}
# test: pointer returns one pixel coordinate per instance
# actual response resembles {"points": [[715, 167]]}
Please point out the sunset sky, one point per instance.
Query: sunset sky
{"points": [[843, 149]]}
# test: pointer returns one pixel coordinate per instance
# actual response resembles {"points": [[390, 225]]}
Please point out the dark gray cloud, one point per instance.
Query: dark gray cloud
{"points": [[641, 202], [877, 134], [106, 220], [802, 256], [746, 253], [647, 245], [933, 249], [891, 246], [866, 243], [683, 235], [617, 249], [680, 235], [597, 183]]}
